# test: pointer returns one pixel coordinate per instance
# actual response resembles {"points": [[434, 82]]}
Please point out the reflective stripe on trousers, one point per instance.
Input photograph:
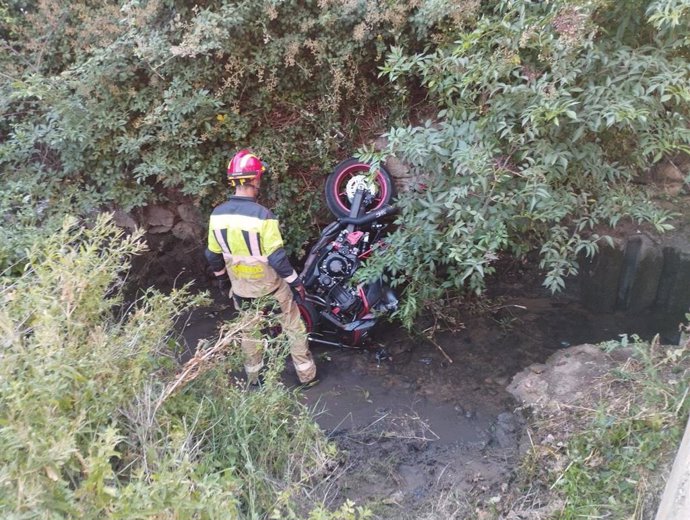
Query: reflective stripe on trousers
{"points": [[293, 327]]}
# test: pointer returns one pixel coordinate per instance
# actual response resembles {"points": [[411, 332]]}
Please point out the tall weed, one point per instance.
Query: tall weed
{"points": [[81, 376]]}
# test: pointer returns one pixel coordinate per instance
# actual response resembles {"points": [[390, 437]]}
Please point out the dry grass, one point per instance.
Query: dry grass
{"points": [[204, 357], [608, 451]]}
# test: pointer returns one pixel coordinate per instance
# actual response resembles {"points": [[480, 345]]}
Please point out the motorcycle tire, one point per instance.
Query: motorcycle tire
{"points": [[344, 176], [310, 316]]}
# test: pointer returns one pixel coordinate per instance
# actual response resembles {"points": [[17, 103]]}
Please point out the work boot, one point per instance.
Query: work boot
{"points": [[254, 385], [256, 382]]}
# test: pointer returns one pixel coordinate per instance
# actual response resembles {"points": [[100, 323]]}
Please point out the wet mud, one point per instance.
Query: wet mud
{"points": [[416, 419]]}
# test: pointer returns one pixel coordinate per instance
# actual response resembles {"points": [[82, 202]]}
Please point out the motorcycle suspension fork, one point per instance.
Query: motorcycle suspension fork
{"points": [[356, 208]]}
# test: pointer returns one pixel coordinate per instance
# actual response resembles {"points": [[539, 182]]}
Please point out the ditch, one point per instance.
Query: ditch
{"points": [[425, 419]]}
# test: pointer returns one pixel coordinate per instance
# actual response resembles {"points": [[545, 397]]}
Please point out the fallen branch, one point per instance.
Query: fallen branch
{"points": [[203, 357], [434, 343]]}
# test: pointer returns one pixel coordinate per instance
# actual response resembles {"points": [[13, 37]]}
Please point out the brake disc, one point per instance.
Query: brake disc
{"points": [[360, 182]]}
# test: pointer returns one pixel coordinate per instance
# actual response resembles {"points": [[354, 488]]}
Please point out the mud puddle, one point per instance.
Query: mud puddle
{"points": [[431, 421]]}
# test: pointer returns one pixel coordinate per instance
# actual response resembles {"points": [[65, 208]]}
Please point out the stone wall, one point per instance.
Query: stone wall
{"points": [[175, 234], [640, 274]]}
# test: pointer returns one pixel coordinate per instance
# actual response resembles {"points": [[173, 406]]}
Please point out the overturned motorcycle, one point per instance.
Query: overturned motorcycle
{"points": [[336, 311]]}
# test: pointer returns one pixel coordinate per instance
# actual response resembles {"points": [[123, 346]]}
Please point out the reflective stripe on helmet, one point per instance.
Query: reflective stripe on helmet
{"points": [[247, 161]]}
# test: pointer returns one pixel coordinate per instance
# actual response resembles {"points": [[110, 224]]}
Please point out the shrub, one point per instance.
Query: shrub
{"points": [[83, 433], [105, 104], [548, 112]]}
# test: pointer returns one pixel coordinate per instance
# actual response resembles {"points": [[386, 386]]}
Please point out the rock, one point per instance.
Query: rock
{"points": [[668, 171], [157, 230], [501, 381], [674, 189], [599, 278], [189, 213], [505, 430], [625, 277], [642, 274], [188, 231], [399, 171], [673, 296], [564, 379], [158, 218], [549, 440], [396, 498], [124, 220], [507, 421]]}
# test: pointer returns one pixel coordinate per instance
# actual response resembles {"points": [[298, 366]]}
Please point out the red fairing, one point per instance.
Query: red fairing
{"points": [[354, 237], [363, 296]]}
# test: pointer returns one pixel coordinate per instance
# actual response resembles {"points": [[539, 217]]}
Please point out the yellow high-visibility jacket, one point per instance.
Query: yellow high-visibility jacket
{"points": [[244, 238]]}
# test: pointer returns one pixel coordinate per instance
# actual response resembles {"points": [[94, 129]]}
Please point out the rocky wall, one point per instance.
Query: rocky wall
{"points": [[640, 274], [175, 234]]}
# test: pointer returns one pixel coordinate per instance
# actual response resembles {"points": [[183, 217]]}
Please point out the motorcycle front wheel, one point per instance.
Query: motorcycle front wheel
{"points": [[352, 174]]}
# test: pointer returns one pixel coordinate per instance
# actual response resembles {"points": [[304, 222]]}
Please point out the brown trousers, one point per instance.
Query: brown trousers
{"points": [[293, 327]]}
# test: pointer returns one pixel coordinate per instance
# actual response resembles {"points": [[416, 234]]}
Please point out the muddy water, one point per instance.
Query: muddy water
{"points": [[431, 418]]}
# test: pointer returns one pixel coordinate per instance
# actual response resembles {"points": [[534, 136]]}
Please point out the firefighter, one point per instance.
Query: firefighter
{"points": [[245, 246]]}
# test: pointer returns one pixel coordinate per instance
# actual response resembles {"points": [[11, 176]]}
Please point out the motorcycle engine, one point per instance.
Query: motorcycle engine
{"points": [[338, 265], [335, 268]]}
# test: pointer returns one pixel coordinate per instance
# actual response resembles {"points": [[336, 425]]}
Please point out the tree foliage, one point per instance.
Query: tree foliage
{"points": [[547, 114]]}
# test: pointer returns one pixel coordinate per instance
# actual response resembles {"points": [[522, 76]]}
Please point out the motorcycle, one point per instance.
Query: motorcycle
{"points": [[335, 307]]}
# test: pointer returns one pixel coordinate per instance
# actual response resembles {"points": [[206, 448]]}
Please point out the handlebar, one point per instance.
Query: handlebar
{"points": [[369, 217]]}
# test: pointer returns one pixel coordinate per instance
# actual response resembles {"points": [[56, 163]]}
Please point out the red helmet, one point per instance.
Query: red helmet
{"points": [[245, 166]]}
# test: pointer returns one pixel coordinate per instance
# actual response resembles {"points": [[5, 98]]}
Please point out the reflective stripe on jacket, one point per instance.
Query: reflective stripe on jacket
{"points": [[244, 237]]}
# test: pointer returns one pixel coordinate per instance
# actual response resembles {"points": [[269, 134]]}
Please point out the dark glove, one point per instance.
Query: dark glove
{"points": [[223, 283], [299, 291]]}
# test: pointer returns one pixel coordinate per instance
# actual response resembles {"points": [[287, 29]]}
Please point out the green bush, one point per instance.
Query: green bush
{"points": [[126, 103], [84, 430], [547, 114]]}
